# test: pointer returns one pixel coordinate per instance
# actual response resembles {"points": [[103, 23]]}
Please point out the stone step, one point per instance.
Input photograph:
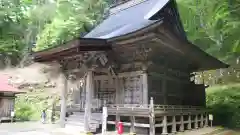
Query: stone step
{"points": [[78, 129], [81, 128], [82, 124], [82, 118], [77, 121]]}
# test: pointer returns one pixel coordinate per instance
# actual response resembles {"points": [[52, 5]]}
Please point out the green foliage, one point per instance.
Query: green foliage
{"points": [[212, 25], [224, 102], [33, 103], [71, 18], [45, 23], [24, 110]]}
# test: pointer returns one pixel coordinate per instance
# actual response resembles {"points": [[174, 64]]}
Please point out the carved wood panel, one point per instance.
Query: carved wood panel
{"points": [[106, 91], [132, 90]]}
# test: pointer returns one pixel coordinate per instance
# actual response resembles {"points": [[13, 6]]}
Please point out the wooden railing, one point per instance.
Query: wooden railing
{"points": [[127, 108], [160, 116], [144, 110]]}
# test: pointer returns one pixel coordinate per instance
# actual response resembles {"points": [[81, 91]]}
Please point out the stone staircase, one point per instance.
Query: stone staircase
{"points": [[76, 122]]}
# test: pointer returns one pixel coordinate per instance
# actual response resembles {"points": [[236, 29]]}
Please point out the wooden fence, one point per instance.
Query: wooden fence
{"points": [[169, 118], [175, 118]]}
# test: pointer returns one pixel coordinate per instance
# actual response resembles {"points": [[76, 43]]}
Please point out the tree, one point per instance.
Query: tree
{"points": [[214, 26], [71, 18], [20, 22]]}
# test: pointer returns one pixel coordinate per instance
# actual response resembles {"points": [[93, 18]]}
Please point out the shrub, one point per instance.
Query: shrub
{"points": [[24, 112], [224, 104]]}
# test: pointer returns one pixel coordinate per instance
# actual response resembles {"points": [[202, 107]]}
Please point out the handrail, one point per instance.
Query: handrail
{"points": [[133, 107]]}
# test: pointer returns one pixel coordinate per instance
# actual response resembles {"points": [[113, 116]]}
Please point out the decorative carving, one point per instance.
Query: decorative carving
{"points": [[141, 53], [132, 90]]}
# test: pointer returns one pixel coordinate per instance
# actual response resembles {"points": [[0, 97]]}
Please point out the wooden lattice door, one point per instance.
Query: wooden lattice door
{"points": [[132, 90], [105, 91]]}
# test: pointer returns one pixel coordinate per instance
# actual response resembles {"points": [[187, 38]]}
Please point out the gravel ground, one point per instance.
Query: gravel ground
{"points": [[36, 128]]}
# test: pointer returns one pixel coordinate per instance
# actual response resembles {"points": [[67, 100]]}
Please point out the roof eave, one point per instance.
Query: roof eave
{"points": [[78, 44], [211, 62]]}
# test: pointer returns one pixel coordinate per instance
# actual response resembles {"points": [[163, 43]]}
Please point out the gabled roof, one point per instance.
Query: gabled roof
{"points": [[128, 20]]}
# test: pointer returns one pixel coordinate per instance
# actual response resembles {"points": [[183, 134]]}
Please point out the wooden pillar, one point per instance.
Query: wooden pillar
{"points": [[118, 93], [104, 120], [118, 118], [88, 101], [189, 122], [181, 124], [132, 129], [206, 120], [121, 90], [174, 125], [63, 101], [164, 128], [145, 87], [152, 118], [196, 122], [201, 123]]}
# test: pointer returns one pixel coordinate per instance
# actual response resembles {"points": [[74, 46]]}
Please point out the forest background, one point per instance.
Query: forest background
{"points": [[212, 25]]}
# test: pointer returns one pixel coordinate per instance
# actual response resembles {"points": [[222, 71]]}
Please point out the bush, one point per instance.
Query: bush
{"points": [[224, 104], [29, 106], [24, 112]]}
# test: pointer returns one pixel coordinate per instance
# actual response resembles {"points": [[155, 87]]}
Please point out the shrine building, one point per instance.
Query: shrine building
{"points": [[139, 63]]}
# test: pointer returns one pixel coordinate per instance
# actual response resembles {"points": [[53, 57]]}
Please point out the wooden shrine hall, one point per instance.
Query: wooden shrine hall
{"points": [[138, 62]]}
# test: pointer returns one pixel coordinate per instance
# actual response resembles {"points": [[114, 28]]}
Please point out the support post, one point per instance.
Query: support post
{"points": [[182, 123], [206, 120], [152, 118], [174, 125], [104, 120], [118, 119], [145, 87], [63, 101], [121, 90], [196, 122], [164, 123], [88, 102], [132, 129], [118, 94], [201, 123], [189, 122]]}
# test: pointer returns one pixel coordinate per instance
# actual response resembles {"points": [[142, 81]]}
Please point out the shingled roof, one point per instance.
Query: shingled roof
{"points": [[128, 20]]}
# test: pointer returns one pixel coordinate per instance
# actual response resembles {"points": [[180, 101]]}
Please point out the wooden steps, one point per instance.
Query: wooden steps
{"points": [[76, 121]]}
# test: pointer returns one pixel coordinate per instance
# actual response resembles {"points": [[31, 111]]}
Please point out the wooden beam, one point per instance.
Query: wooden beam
{"points": [[120, 75], [166, 43], [63, 101]]}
